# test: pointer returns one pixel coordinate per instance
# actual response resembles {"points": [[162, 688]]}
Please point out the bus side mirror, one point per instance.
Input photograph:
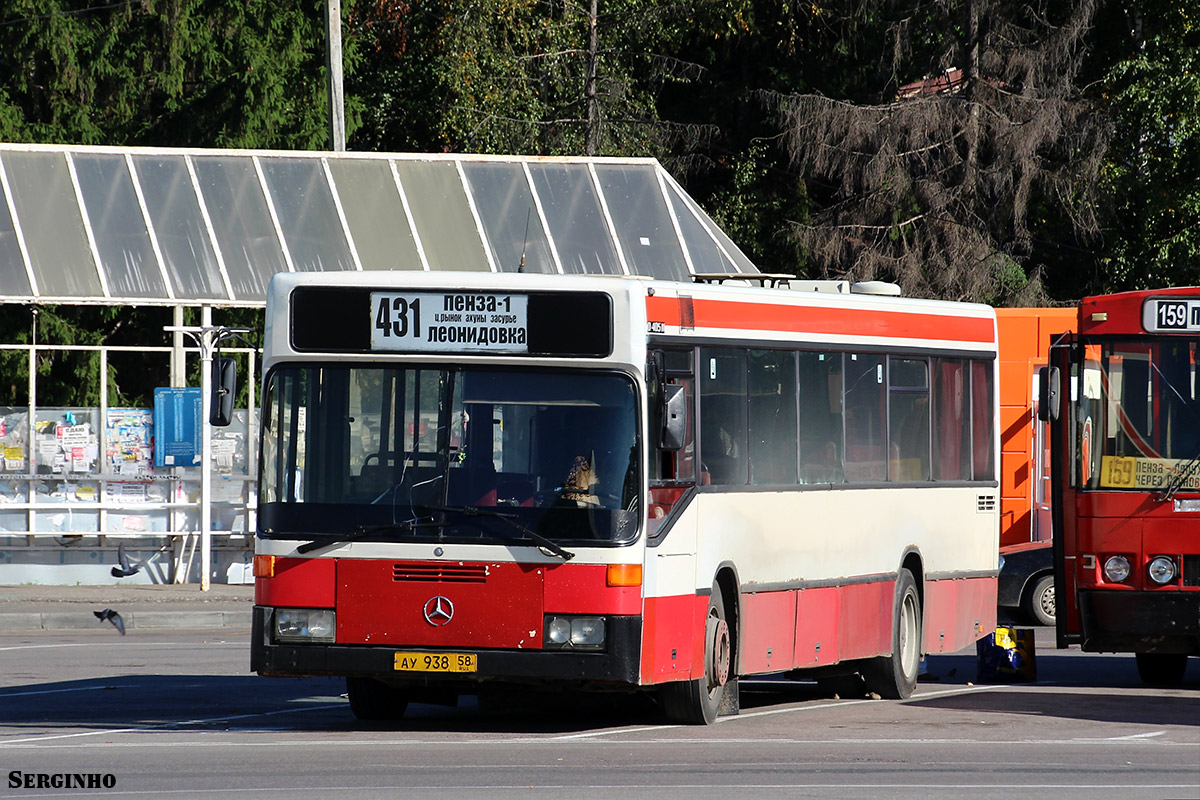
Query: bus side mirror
{"points": [[674, 413], [1048, 394], [223, 391]]}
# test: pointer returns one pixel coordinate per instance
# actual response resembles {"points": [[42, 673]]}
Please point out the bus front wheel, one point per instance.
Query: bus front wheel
{"points": [[895, 676], [1161, 669], [697, 702]]}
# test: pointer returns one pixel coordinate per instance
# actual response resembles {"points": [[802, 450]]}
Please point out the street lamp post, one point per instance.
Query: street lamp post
{"points": [[207, 337]]}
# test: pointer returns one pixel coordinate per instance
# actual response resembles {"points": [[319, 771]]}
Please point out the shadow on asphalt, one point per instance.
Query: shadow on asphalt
{"points": [[217, 703], [1130, 709]]}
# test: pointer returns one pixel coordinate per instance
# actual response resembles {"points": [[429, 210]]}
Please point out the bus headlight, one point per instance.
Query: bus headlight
{"points": [[1162, 570], [1116, 569], [304, 624], [575, 633]]}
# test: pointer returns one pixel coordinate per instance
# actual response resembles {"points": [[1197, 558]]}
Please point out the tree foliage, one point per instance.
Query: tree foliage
{"points": [[207, 73], [932, 185], [546, 77], [1063, 159], [1152, 173]]}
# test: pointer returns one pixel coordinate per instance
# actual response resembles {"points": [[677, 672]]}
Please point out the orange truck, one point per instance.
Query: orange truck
{"points": [[1026, 586]]}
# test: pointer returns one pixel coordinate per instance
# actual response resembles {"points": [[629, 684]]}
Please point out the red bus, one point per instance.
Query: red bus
{"points": [[605, 483], [1123, 399]]}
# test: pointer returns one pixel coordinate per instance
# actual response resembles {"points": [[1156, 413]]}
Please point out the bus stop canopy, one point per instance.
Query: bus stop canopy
{"points": [[154, 226]]}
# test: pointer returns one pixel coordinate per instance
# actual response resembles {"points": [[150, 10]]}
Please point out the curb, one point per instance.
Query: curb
{"points": [[133, 620]]}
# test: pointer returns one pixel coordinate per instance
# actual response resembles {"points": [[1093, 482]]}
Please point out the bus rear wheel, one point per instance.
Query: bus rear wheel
{"points": [[1161, 669], [697, 702], [895, 676], [375, 701]]}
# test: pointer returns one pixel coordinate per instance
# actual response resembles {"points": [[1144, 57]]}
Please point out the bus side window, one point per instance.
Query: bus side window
{"points": [[951, 421], [772, 402], [672, 367], [821, 444], [865, 418], [723, 430]]}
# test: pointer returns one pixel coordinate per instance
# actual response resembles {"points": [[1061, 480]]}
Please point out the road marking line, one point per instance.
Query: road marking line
{"points": [[575, 788], [208, 741], [161, 725], [1134, 736], [41, 646], [5, 695]]}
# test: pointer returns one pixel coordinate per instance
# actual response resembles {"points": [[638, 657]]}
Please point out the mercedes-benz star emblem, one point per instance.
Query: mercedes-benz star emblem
{"points": [[439, 611]]}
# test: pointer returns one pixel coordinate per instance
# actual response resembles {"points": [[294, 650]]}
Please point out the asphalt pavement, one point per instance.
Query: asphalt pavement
{"points": [[142, 606]]}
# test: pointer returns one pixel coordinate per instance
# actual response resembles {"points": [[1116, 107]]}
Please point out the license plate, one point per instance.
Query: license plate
{"points": [[436, 662]]}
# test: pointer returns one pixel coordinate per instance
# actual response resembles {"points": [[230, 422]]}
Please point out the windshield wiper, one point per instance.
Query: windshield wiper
{"points": [[363, 531], [541, 541], [1189, 468], [1181, 477]]}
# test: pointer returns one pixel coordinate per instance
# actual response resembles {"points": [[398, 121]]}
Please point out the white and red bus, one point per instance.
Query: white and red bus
{"points": [[613, 483], [1123, 399]]}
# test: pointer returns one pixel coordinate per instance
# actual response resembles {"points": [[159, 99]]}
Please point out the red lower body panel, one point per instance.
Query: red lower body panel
{"points": [[672, 648], [958, 613], [815, 627]]}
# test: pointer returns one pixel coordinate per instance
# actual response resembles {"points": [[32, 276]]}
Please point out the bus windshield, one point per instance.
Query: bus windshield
{"points": [[1139, 420], [449, 454]]}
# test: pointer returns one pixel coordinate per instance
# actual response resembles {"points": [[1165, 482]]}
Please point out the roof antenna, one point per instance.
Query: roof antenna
{"points": [[521, 266]]}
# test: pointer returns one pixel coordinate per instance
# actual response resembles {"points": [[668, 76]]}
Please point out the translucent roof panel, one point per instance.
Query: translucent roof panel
{"points": [[446, 227], [580, 229], [118, 226], [509, 215], [179, 228], [169, 226], [642, 220], [52, 224], [367, 191], [702, 248], [307, 216], [13, 276], [246, 236], [729, 250]]}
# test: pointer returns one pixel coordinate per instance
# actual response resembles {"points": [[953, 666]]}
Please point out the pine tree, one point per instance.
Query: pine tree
{"points": [[932, 185]]}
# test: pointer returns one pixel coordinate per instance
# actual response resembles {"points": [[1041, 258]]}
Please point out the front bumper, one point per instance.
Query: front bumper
{"points": [[619, 664], [1140, 622]]}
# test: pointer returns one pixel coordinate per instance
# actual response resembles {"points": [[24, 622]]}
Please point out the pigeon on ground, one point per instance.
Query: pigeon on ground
{"points": [[113, 617], [124, 567]]}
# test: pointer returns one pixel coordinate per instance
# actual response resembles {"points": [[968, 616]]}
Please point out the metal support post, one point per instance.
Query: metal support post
{"points": [[207, 336]]}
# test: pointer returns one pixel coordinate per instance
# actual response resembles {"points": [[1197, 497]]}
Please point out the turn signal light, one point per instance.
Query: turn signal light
{"points": [[624, 575], [264, 566]]}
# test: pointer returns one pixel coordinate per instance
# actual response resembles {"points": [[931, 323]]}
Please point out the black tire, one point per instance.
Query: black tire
{"points": [[895, 676], [374, 701], [697, 702], [1161, 669], [1038, 603]]}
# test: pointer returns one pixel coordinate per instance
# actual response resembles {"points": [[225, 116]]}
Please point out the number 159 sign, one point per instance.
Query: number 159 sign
{"points": [[449, 322], [1171, 316]]}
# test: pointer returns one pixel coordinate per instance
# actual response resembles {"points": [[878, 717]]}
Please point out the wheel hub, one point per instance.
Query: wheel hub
{"points": [[719, 650]]}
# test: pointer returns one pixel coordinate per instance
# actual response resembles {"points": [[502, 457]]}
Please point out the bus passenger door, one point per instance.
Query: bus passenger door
{"points": [[1057, 407], [672, 445]]}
